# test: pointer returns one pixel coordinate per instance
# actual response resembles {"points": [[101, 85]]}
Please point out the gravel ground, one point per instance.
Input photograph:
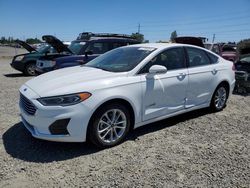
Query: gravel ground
{"points": [[197, 149]]}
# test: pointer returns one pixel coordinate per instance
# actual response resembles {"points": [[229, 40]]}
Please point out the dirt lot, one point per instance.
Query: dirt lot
{"points": [[198, 149]]}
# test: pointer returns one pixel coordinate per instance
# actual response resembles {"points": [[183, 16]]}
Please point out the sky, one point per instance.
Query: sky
{"points": [[229, 20]]}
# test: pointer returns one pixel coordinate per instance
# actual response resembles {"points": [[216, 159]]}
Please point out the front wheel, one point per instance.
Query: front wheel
{"points": [[30, 69], [109, 125], [219, 99]]}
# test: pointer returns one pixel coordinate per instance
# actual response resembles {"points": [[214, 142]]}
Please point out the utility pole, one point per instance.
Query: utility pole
{"points": [[213, 38], [139, 28]]}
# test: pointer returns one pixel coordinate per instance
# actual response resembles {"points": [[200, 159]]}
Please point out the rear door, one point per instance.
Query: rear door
{"points": [[202, 77]]}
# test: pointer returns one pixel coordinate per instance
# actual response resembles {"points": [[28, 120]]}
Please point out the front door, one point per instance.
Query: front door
{"points": [[165, 93]]}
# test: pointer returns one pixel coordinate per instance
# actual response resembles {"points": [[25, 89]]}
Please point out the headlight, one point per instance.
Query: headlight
{"points": [[19, 58], [64, 100]]}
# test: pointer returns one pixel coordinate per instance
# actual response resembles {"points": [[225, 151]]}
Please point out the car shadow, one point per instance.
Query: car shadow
{"points": [[19, 143], [169, 122], [15, 75]]}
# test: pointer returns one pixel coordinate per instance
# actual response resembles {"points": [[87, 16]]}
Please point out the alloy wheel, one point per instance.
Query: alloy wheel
{"points": [[31, 69], [220, 98], [112, 126]]}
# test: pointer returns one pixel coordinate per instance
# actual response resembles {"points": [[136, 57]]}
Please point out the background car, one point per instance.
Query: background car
{"points": [[87, 47], [190, 40], [242, 74], [228, 52], [123, 89], [26, 63]]}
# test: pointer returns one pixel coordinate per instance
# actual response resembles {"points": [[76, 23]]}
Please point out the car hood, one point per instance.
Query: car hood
{"points": [[72, 80], [26, 46], [56, 43]]}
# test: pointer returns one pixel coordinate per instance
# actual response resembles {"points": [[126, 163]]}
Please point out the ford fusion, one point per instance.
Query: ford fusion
{"points": [[123, 89]]}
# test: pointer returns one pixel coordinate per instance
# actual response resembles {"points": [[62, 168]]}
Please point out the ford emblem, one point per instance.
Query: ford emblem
{"points": [[25, 89]]}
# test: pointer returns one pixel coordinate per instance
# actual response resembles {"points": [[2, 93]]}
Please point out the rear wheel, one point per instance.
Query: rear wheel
{"points": [[219, 99], [30, 69], [109, 125]]}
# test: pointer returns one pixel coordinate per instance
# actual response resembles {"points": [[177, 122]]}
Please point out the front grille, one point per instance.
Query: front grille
{"points": [[27, 105]]}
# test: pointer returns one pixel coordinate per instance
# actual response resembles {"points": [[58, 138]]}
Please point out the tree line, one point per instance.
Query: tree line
{"points": [[11, 40]]}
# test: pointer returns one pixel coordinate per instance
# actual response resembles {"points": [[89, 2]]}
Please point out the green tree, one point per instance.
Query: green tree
{"points": [[3, 40], [138, 36], [33, 40], [173, 35], [243, 47]]}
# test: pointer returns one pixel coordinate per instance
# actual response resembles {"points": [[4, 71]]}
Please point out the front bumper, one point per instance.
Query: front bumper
{"points": [[18, 65], [39, 123]]}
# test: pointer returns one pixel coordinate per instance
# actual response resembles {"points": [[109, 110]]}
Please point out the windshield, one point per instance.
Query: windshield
{"points": [[46, 48], [121, 59], [76, 46]]}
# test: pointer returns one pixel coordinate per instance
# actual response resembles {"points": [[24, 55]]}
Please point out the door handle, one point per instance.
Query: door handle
{"points": [[214, 71], [181, 76]]}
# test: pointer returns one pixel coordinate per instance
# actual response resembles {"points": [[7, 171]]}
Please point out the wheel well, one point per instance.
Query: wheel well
{"points": [[119, 101], [227, 86]]}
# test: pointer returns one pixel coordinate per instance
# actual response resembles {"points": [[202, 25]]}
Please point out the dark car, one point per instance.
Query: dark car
{"points": [[87, 47], [26, 63], [242, 74], [190, 40]]}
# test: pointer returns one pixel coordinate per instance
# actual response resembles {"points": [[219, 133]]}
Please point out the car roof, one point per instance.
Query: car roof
{"points": [[163, 45], [106, 38]]}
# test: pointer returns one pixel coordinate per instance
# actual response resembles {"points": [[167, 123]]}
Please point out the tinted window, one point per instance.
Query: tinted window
{"points": [[77, 46], [172, 59], [213, 58], [118, 44], [197, 57], [98, 47]]}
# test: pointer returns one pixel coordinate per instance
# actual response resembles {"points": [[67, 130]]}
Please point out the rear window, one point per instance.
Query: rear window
{"points": [[213, 58]]}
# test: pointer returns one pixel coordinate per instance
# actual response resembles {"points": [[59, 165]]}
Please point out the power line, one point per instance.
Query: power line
{"points": [[155, 29], [205, 17], [196, 23]]}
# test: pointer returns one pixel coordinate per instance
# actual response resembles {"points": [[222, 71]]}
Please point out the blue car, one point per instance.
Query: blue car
{"points": [[87, 47]]}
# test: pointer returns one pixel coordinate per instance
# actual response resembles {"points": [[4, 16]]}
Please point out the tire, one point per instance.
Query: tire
{"points": [[30, 69], [219, 98], [109, 125]]}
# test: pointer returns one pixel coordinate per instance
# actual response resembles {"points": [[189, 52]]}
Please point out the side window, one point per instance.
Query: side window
{"points": [[197, 57], [98, 47], [213, 58], [118, 44], [172, 59]]}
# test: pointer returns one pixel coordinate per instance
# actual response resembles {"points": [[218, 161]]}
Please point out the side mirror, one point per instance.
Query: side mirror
{"points": [[88, 53], [157, 69]]}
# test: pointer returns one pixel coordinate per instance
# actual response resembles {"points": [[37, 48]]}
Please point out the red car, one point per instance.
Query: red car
{"points": [[227, 51]]}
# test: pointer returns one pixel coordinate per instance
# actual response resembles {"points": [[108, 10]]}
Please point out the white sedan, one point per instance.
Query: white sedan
{"points": [[124, 89]]}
